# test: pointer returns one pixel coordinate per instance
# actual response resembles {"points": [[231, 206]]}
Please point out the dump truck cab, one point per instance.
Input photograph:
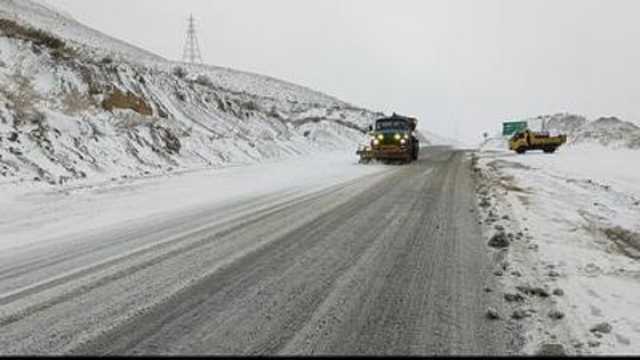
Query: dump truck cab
{"points": [[528, 140], [392, 138]]}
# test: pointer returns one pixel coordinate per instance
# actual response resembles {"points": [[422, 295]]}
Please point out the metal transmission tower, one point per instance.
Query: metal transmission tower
{"points": [[192, 47]]}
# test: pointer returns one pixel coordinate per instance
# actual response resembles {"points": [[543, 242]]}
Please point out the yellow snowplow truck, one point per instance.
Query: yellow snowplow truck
{"points": [[528, 140]]}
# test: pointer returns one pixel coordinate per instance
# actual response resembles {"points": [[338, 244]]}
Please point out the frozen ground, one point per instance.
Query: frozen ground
{"points": [[41, 214], [573, 222]]}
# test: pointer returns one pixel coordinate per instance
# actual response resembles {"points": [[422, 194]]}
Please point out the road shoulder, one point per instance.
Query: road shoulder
{"points": [[563, 251]]}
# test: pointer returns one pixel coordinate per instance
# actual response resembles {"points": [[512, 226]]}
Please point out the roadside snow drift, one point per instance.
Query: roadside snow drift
{"points": [[573, 230]]}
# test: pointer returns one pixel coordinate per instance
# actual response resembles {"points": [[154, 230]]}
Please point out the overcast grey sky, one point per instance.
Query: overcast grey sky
{"points": [[462, 66]]}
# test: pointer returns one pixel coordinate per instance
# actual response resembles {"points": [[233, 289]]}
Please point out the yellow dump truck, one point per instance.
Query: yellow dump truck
{"points": [[528, 140]]}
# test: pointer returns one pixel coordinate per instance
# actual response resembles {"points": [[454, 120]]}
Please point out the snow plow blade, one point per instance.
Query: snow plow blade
{"points": [[366, 155]]}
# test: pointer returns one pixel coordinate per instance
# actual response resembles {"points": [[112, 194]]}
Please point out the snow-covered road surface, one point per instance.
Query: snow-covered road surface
{"points": [[372, 260], [32, 215]]}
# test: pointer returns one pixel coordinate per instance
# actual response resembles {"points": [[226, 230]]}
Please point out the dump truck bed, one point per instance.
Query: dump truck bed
{"points": [[529, 140]]}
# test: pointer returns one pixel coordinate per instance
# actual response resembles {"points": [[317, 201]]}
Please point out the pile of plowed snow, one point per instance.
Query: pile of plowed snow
{"points": [[573, 217], [76, 104]]}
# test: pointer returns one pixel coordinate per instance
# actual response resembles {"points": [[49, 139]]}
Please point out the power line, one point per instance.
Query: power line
{"points": [[192, 52]]}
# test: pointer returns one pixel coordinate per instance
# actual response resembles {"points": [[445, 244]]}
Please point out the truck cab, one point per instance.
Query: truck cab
{"points": [[393, 138]]}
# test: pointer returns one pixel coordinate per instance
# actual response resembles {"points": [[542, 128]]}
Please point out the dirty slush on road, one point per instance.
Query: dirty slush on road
{"points": [[394, 265]]}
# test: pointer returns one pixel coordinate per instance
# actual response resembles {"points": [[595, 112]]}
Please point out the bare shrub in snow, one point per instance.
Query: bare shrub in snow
{"points": [[127, 101], [180, 72], [556, 315], [492, 314], [552, 350], [22, 99], [107, 60], [204, 80], [628, 241], [274, 113], [499, 241], [251, 106], [603, 328], [533, 291], [171, 141], [181, 96], [11, 29]]}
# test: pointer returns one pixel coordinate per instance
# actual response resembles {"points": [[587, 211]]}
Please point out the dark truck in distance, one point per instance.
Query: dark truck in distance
{"points": [[392, 139]]}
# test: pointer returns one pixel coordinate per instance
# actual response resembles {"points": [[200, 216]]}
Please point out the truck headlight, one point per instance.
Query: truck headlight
{"points": [[380, 137], [376, 142], [398, 137], [403, 142]]}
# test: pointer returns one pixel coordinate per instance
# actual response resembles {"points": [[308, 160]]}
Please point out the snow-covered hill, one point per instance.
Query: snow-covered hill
{"points": [[606, 131], [609, 132], [78, 104]]}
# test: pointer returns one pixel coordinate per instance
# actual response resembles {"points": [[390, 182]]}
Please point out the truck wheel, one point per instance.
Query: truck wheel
{"points": [[550, 150], [521, 150]]}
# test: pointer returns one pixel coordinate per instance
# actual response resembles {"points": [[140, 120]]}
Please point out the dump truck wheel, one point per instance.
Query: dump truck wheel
{"points": [[550, 150], [521, 150]]}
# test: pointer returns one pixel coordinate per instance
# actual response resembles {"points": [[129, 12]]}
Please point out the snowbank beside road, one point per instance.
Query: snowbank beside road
{"points": [[573, 221], [47, 215]]}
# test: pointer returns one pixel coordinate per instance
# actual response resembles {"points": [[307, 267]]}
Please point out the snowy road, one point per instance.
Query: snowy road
{"points": [[392, 262]]}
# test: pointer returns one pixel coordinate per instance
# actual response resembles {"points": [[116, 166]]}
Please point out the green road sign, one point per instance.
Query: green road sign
{"points": [[510, 128]]}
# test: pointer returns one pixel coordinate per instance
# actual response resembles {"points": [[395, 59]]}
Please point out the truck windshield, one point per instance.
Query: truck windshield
{"points": [[391, 125]]}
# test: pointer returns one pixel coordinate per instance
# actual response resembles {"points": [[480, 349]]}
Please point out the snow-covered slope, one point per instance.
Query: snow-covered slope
{"points": [[77, 104], [43, 16], [607, 131]]}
